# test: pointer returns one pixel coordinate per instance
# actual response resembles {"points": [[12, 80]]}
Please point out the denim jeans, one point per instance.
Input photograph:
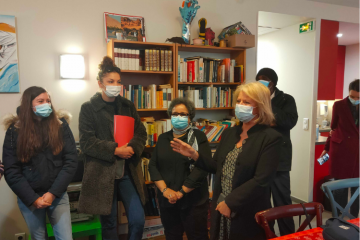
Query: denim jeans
{"points": [[59, 216], [133, 207]]}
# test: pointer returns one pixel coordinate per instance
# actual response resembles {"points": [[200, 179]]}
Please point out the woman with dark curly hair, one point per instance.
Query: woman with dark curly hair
{"points": [[111, 170], [182, 188]]}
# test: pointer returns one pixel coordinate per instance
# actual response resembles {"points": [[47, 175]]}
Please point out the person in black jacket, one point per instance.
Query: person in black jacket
{"points": [[182, 188], [40, 159], [286, 116], [245, 164]]}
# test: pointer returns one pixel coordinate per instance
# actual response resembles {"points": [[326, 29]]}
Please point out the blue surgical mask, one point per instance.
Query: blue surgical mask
{"points": [[354, 102], [180, 122], [266, 83], [244, 113], [43, 110]]}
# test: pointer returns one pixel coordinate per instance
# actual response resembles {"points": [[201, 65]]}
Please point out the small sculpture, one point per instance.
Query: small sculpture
{"points": [[202, 25], [210, 36], [188, 13], [179, 40]]}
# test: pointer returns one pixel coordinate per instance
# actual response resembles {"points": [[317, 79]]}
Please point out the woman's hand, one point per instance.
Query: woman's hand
{"points": [[223, 209], [179, 195], [40, 203], [184, 149], [171, 195], [323, 153], [48, 198], [124, 152]]}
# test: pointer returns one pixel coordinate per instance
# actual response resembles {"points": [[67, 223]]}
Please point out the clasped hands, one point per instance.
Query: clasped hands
{"points": [[44, 201], [172, 196], [124, 152]]}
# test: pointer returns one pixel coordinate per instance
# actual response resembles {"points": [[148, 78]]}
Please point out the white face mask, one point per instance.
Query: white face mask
{"points": [[112, 91]]}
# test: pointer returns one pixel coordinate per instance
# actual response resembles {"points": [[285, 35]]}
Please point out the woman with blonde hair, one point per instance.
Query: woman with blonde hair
{"points": [[245, 163]]}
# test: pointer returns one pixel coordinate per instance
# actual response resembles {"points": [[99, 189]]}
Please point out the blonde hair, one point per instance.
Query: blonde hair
{"points": [[261, 95]]}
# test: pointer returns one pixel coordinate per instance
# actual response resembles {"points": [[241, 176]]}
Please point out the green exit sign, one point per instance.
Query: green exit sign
{"points": [[306, 27]]}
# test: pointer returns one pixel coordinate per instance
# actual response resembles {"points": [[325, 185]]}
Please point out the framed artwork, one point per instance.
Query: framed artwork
{"points": [[9, 74], [124, 27]]}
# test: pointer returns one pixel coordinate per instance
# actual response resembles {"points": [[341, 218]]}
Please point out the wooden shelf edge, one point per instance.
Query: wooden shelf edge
{"points": [[143, 43], [210, 109], [146, 72], [181, 47], [151, 109], [206, 83]]}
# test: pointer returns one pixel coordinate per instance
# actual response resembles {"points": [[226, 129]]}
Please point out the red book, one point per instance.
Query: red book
{"points": [[190, 71], [123, 129]]}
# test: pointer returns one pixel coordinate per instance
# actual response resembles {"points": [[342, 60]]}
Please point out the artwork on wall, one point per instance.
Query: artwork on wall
{"points": [[9, 74], [124, 27]]}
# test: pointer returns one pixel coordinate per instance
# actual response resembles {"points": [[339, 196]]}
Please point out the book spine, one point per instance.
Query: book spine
{"points": [[165, 102], [157, 60], [151, 60], [137, 60], [166, 60], [178, 60], [162, 53], [154, 60], [147, 60], [133, 59], [170, 61], [116, 56]]}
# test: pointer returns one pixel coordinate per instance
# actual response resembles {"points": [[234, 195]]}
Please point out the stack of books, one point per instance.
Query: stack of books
{"points": [[202, 69], [155, 128], [143, 60], [208, 97], [149, 97]]}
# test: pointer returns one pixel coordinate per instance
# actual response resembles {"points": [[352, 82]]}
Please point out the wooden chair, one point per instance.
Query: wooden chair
{"points": [[313, 209]]}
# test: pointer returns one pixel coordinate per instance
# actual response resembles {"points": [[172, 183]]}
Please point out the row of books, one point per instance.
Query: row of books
{"points": [[158, 60], [155, 128], [213, 131], [152, 96], [154, 59], [208, 97], [202, 69]]}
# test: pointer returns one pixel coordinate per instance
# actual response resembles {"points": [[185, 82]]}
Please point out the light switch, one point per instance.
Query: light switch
{"points": [[306, 124]]}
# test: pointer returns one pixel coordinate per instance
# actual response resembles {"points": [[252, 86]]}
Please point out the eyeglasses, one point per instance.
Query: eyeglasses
{"points": [[175, 114]]}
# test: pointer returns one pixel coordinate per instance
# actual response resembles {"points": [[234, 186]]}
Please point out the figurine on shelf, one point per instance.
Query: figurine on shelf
{"points": [[179, 40], [202, 25], [210, 36], [188, 13]]}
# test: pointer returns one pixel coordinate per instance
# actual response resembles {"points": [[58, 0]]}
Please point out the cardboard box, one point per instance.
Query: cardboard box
{"points": [[121, 213], [241, 40]]}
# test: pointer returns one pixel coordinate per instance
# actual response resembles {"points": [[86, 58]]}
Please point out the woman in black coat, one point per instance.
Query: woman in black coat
{"points": [[40, 161], [245, 163], [182, 188]]}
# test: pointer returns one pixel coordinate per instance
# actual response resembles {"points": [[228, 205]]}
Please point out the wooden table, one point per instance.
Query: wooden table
{"points": [[312, 234]]}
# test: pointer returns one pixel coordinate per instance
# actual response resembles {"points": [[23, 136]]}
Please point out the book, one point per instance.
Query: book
{"points": [[162, 57], [170, 61], [166, 60], [147, 60], [137, 60], [157, 60], [123, 129], [239, 73], [151, 60]]}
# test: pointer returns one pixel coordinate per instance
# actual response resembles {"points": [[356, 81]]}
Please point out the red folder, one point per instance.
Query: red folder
{"points": [[123, 129]]}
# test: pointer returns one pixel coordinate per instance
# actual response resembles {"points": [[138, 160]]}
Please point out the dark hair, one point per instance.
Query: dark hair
{"points": [[188, 104], [107, 66], [354, 85], [34, 135], [269, 73]]}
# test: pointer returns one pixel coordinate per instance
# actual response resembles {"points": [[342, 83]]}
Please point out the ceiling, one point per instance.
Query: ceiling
{"points": [[270, 22], [350, 33], [346, 3]]}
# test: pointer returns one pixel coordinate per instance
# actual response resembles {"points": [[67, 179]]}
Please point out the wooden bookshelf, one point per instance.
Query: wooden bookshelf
{"points": [[146, 78]]}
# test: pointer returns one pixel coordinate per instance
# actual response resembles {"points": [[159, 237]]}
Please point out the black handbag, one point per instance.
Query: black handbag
{"points": [[339, 229]]}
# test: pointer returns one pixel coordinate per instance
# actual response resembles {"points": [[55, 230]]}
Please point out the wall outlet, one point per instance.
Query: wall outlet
{"points": [[20, 236], [306, 124]]}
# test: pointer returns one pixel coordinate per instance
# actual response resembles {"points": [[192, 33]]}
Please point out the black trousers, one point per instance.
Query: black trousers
{"points": [[280, 191], [192, 220]]}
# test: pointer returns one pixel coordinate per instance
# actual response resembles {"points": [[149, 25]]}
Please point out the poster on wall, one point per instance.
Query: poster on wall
{"points": [[9, 74], [124, 27]]}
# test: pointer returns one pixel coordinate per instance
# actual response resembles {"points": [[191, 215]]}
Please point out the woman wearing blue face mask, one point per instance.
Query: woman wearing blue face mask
{"points": [[245, 163], [182, 188], [111, 170], [40, 161]]}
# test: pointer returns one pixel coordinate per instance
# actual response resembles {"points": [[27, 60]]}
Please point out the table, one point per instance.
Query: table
{"points": [[311, 234]]}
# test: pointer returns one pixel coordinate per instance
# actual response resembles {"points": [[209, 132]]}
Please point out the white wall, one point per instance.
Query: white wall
{"points": [[351, 66], [48, 28], [292, 56]]}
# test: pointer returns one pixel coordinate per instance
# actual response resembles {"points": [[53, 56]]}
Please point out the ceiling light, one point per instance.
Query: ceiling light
{"points": [[339, 35]]}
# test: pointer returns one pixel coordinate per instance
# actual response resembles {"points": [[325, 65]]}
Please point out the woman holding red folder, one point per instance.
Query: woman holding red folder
{"points": [[111, 170]]}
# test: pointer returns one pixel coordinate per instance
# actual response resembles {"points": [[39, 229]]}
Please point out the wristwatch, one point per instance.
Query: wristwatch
{"points": [[183, 192], [164, 190]]}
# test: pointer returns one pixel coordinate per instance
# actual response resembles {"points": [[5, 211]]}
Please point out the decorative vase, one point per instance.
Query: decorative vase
{"points": [[186, 32]]}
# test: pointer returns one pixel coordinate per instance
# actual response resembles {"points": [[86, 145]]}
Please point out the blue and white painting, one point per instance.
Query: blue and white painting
{"points": [[9, 74]]}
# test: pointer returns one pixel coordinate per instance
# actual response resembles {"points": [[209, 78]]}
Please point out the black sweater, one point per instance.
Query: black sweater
{"points": [[174, 169]]}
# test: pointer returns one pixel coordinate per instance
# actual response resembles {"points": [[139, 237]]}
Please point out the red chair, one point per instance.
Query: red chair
{"points": [[313, 209]]}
